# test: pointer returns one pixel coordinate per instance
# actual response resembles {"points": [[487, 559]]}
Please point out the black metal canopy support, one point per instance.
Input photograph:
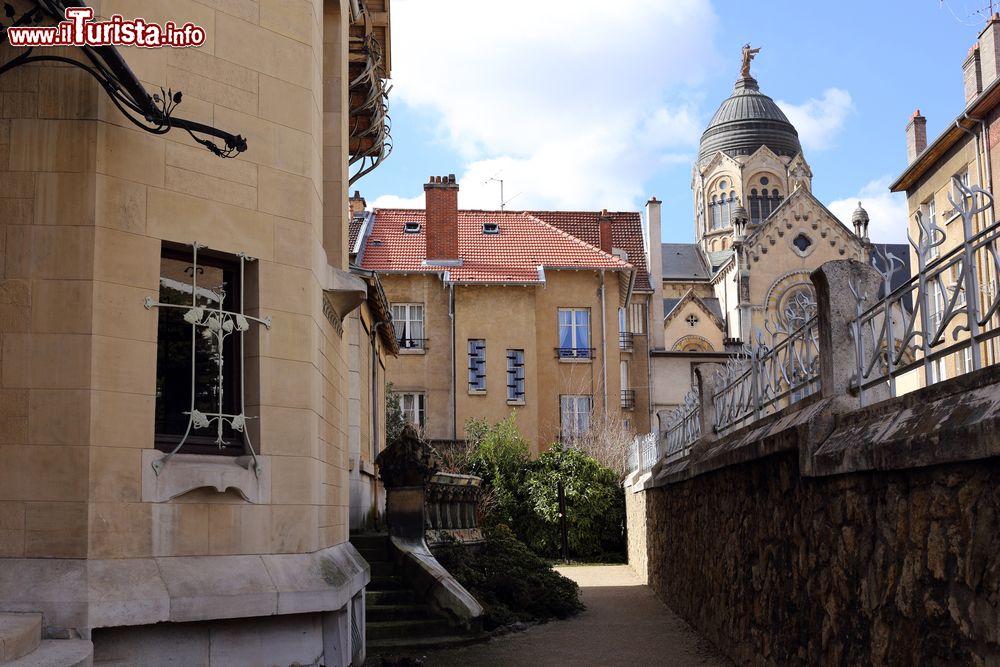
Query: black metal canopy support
{"points": [[152, 113]]}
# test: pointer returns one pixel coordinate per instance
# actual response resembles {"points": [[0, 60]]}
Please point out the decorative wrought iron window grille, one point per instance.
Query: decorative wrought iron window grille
{"points": [[477, 365], [515, 375], [152, 113], [216, 325]]}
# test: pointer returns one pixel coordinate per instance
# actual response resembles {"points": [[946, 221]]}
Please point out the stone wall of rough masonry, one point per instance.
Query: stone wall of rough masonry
{"points": [[864, 568]]}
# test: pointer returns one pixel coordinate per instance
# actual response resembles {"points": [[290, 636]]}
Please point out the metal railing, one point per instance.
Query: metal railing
{"points": [[915, 327], [782, 368], [413, 343], [628, 399], [683, 427], [625, 341], [575, 352], [642, 452]]}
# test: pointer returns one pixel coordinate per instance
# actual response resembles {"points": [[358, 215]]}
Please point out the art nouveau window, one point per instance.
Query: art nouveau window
{"points": [[200, 396], [515, 376], [477, 365]]}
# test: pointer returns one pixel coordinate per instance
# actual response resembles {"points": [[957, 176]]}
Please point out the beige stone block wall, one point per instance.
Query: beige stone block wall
{"points": [[88, 200]]}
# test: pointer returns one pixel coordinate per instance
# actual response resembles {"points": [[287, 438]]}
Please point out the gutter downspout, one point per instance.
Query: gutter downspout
{"points": [[649, 361], [375, 402], [604, 348], [454, 380]]}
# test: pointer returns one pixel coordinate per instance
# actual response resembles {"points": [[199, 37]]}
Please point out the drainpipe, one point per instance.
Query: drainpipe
{"points": [[454, 380], [374, 359], [649, 360], [604, 349]]}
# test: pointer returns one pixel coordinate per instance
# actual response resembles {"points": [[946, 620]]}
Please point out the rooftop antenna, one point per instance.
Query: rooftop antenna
{"points": [[972, 13], [500, 181]]}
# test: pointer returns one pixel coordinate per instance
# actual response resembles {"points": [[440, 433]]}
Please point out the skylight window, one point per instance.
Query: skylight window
{"points": [[491, 228], [411, 227]]}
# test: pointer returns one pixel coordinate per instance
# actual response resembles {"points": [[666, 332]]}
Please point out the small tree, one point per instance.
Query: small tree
{"points": [[394, 419], [607, 440]]}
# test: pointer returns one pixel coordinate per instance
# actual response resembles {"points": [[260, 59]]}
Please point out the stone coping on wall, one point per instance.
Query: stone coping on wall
{"points": [[955, 420], [75, 596]]}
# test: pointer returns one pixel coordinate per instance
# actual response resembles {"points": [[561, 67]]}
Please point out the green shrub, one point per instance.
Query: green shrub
{"points": [[595, 505], [512, 583]]}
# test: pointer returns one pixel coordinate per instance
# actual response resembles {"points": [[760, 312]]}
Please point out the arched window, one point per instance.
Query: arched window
{"points": [[716, 213], [754, 202], [775, 200], [724, 207], [725, 243]]}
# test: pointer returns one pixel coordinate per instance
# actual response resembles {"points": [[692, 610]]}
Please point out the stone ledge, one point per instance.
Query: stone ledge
{"points": [[952, 421], [187, 472], [76, 596]]}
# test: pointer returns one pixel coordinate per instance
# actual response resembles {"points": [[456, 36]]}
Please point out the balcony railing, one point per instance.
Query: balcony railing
{"points": [[413, 343], [628, 399], [575, 352], [625, 341]]}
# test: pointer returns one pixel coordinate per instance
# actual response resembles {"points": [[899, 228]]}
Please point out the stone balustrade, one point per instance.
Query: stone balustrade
{"points": [[450, 509]]}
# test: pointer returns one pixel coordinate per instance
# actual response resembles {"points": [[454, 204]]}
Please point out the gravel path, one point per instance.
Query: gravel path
{"points": [[624, 624]]}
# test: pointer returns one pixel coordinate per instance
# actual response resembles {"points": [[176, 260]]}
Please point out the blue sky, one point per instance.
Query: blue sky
{"points": [[587, 104]]}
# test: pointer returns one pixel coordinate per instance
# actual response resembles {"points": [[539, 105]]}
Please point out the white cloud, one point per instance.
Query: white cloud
{"points": [[887, 211], [819, 121], [573, 101]]}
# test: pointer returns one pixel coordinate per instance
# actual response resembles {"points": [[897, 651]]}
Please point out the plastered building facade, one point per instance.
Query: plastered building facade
{"points": [[510, 312], [208, 556]]}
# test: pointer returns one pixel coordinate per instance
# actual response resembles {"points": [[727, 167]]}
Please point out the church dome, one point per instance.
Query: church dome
{"points": [[747, 120]]}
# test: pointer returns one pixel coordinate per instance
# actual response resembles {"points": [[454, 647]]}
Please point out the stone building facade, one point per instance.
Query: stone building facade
{"points": [[118, 344], [968, 150], [759, 232], [512, 311]]}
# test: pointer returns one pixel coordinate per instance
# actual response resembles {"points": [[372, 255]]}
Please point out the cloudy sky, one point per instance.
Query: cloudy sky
{"points": [[587, 104]]}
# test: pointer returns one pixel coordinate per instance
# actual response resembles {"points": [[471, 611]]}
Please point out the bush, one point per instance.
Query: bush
{"points": [[512, 583], [522, 493], [595, 506]]}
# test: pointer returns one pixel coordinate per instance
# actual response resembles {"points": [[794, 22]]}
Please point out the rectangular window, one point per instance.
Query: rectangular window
{"points": [[936, 306], [177, 341], [515, 375], [574, 333], [637, 318], [963, 361], [628, 394], [958, 283], [574, 416], [412, 404], [408, 321], [477, 364], [934, 251]]}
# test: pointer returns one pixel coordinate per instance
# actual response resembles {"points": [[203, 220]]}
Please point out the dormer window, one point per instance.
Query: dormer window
{"points": [[411, 227], [491, 228]]}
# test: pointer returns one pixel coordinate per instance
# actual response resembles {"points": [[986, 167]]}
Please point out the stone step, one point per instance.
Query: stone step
{"points": [[405, 629], [376, 555], [386, 583], [382, 569], [370, 541], [19, 635], [396, 612], [398, 647], [58, 653], [390, 597]]}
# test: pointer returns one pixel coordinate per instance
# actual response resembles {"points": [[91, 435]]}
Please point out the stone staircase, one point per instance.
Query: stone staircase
{"points": [[21, 645], [397, 621]]}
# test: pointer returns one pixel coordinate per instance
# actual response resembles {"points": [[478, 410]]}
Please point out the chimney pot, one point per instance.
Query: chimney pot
{"points": [[604, 230], [972, 74], [989, 52], [916, 136]]}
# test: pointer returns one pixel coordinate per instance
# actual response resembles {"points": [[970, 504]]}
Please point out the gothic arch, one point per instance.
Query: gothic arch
{"points": [[693, 343]]}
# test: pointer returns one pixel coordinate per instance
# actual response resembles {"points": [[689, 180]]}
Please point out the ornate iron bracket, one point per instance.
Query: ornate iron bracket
{"points": [[152, 113]]}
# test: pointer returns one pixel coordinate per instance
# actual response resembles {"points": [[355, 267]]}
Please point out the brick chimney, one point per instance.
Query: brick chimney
{"points": [[604, 222], [654, 255], [916, 136], [441, 224], [357, 202], [972, 73], [989, 50]]}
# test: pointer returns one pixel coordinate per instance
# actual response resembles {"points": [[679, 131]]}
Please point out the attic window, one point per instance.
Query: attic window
{"points": [[375, 242], [411, 227], [620, 254], [491, 228]]}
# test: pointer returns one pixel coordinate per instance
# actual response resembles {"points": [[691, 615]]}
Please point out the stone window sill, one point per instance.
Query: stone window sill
{"points": [[415, 350], [187, 472]]}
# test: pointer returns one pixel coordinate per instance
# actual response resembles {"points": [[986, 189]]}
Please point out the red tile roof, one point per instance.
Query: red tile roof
{"points": [[626, 233], [514, 255]]}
